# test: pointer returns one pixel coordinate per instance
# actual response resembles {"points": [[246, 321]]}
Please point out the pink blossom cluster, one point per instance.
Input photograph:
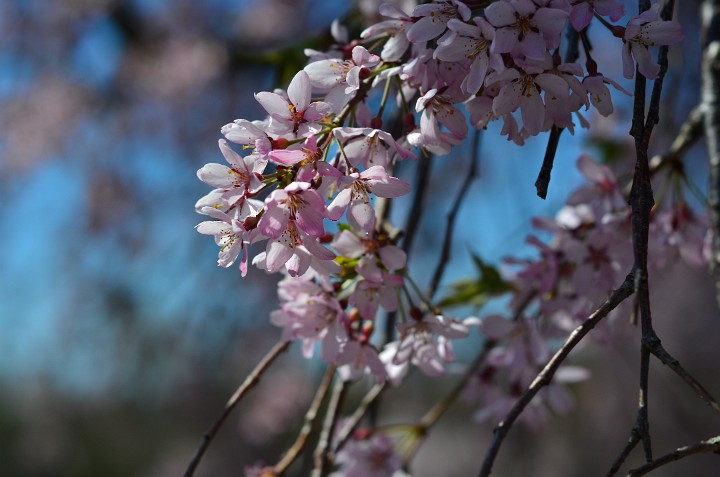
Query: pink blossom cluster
{"points": [[588, 257], [303, 194]]}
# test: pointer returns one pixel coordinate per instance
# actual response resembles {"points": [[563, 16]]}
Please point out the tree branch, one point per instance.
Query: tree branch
{"points": [[322, 451], [641, 203], [250, 381], [357, 416], [452, 217], [702, 447], [308, 424], [545, 376]]}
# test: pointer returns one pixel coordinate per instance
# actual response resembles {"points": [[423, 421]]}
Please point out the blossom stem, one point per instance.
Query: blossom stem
{"points": [[384, 99]]}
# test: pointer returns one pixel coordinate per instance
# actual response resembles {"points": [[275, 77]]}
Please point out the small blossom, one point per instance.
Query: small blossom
{"points": [[582, 11], [642, 32], [434, 18], [294, 113], [524, 28]]}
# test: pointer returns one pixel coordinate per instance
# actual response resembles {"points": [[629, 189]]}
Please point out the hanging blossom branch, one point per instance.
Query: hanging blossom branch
{"points": [[322, 156], [642, 201]]}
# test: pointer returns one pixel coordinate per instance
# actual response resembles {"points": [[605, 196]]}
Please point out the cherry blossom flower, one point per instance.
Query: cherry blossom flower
{"points": [[310, 313], [396, 30], [294, 251], [372, 456], [357, 358], [437, 109], [253, 133], [353, 196], [298, 203], [679, 232], [522, 90], [340, 79], [603, 193], [525, 27], [641, 32], [241, 179], [425, 344], [294, 113], [368, 147], [600, 94], [307, 156], [230, 234], [434, 18], [376, 288], [470, 42], [582, 11]]}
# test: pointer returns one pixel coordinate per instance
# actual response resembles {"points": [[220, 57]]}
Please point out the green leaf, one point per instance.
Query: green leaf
{"points": [[476, 292]]}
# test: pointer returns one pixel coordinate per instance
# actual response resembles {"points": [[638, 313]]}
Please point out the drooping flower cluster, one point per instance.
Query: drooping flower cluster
{"points": [[588, 257], [304, 198]]}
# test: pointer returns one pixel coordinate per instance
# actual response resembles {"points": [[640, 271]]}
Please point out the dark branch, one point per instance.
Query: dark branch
{"points": [[452, 217], [702, 447], [545, 376], [543, 179]]}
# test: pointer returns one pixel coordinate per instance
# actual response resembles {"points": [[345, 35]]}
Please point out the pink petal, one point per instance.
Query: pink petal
{"points": [[361, 217], [316, 110], [300, 90], [287, 157], [500, 14], [394, 258], [324, 74], [425, 29], [339, 204], [274, 104], [277, 254]]}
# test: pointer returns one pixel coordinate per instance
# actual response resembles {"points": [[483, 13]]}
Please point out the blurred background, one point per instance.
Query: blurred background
{"points": [[120, 338]]}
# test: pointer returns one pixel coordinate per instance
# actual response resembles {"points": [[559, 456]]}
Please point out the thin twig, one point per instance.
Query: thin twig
{"points": [[702, 447], [308, 424], [357, 416], [656, 348], [444, 258], [420, 187], [439, 409], [411, 226], [620, 459], [250, 381], [545, 376], [543, 179], [322, 451], [688, 135]]}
